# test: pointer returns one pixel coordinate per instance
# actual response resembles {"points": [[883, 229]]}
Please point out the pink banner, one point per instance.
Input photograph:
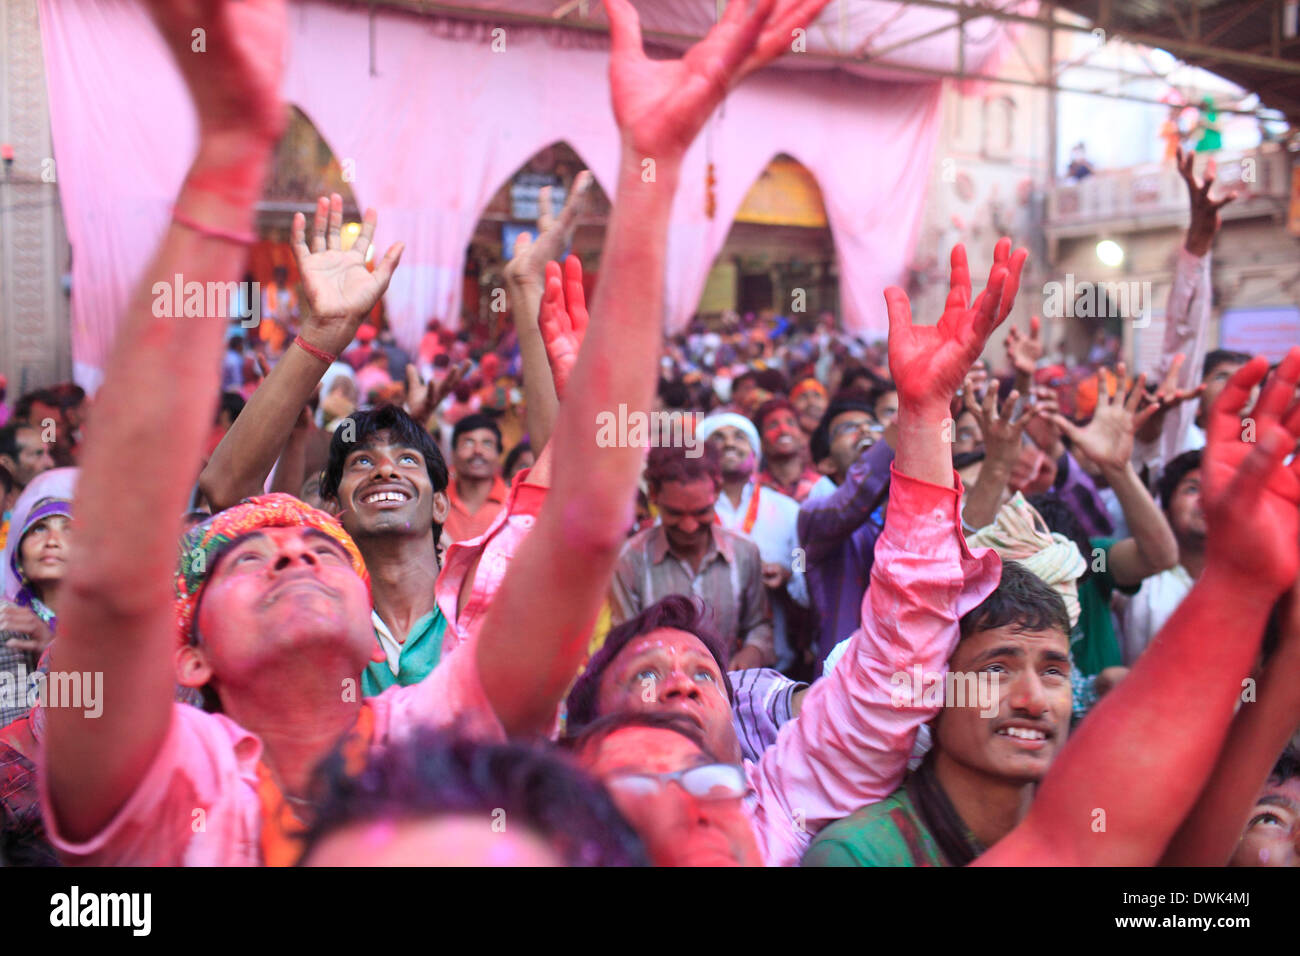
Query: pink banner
{"points": [[442, 125]]}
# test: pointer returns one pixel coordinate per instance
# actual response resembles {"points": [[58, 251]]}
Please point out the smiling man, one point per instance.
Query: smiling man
{"points": [[387, 481], [477, 491], [978, 780]]}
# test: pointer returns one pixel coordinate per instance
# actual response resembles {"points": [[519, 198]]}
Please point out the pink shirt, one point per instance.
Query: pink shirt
{"points": [[497, 545], [850, 745], [197, 805]]}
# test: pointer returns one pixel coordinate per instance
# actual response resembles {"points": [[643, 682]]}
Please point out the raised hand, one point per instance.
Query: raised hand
{"points": [[1024, 351], [422, 398], [660, 105], [527, 267], [1205, 211], [929, 362], [1001, 428], [563, 319], [235, 79], [337, 285], [1108, 438], [1251, 499]]}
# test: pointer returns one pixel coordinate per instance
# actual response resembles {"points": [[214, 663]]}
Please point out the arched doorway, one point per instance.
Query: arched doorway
{"points": [[779, 256], [513, 209]]}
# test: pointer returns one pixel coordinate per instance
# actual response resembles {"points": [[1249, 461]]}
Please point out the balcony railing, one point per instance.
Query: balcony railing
{"points": [[1154, 196]]}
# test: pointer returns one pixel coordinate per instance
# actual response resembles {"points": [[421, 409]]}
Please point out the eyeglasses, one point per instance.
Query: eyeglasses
{"points": [[712, 781], [845, 427]]}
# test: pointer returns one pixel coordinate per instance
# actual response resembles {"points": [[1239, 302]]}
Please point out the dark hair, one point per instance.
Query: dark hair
{"points": [[665, 464], [232, 403], [1061, 518], [1175, 472], [772, 380], [593, 734], [676, 611], [515, 454], [780, 403], [1287, 766], [1021, 600], [883, 387], [820, 443], [474, 422], [404, 430], [434, 773], [1217, 357], [749, 375], [674, 393], [6, 481], [9, 438]]}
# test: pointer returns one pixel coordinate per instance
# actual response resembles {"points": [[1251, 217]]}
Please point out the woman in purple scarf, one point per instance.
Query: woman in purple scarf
{"points": [[35, 559]]}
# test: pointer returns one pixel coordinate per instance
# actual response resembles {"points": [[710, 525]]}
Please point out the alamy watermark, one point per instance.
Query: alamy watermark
{"points": [[1098, 300], [917, 688], [75, 689], [638, 429], [196, 300]]}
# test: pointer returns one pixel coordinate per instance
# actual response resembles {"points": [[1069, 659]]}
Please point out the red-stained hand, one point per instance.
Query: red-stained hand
{"points": [[563, 319], [339, 288], [235, 77], [660, 105], [929, 362], [1251, 499]]}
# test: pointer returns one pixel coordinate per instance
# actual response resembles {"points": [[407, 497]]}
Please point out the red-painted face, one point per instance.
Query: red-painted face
{"points": [[677, 828], [284, 591], [686, 510], [735, 453], [782, 436], [671, 671]]}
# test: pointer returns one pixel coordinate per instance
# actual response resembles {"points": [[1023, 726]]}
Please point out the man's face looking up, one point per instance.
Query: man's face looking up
{"points": [[678, 828], [1186, 517], [281, 591], [782, 436], [734, 452], [671, 671], [1019, 743], [385, 489]]}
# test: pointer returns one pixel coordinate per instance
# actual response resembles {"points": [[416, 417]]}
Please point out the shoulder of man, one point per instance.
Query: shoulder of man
{"points": [[886, 833]]}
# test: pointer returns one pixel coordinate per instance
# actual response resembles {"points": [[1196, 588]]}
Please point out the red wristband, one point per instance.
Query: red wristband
{"points": [[243, 238], [315, 352]]}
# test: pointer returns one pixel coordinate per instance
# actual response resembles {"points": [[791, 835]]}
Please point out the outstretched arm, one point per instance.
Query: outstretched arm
{"points": [[341, 292], [525, 283], [120, 624], [853, 737], [1108, 441], [527, 660], [1260, 731], [1142, 757]]}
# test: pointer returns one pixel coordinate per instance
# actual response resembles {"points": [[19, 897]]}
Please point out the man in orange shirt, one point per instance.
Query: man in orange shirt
{"points": [[477, 491]]}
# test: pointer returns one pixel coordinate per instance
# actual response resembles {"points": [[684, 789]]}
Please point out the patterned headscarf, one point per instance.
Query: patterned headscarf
{"points": [[1019, 533], [202, 545], [49, 493]]}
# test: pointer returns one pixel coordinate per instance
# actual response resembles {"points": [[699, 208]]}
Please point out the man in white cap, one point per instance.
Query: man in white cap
{"points": [[765, 516]]}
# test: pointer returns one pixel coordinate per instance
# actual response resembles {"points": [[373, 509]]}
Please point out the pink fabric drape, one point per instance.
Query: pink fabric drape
{"points": [[444, 123]]}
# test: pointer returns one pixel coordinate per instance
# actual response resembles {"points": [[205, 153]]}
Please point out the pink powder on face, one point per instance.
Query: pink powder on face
{"points": [[381, 833], [1263, 856]]}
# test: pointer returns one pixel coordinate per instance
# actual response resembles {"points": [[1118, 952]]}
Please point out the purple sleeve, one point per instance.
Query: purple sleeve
{"points": [[1077, 489], [824, 523]]}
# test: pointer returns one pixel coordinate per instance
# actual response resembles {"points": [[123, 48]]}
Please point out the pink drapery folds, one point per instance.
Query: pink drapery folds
{"points": [[435, 133]]}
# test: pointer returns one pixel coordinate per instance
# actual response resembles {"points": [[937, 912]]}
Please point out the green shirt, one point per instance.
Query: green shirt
{"points": [[419, 655], [888, 833], [1093, 646]]}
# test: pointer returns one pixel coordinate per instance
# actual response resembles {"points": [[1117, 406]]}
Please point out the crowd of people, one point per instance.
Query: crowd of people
{"points": [[841, 604]]}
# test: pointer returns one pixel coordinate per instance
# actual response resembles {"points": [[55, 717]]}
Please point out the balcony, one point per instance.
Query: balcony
{"points": [[1154, 196]]}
